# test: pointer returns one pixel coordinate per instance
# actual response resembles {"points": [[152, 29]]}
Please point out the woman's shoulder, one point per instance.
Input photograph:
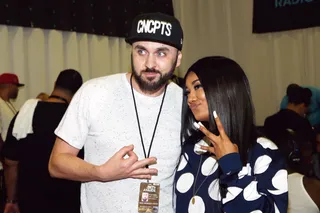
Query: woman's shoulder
{"points": [[264, 148], [265, 143]]}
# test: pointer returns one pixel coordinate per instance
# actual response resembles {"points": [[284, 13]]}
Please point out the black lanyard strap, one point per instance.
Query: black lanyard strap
{"points": [[59, 97], [11, 107], [138, 121]]}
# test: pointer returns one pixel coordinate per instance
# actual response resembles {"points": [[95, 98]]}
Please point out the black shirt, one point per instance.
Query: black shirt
{"points": [[37, 191], [276, 125]]}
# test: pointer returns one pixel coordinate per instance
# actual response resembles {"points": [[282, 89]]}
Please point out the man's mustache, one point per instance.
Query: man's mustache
{"points": [[151, 71]]}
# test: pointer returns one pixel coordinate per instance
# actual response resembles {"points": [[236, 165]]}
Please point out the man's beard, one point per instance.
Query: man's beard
{"points": [[14, 95], [147, 85]]}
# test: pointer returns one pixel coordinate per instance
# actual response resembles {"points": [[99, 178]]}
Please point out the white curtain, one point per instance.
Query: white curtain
{"points": [[211, 27]]}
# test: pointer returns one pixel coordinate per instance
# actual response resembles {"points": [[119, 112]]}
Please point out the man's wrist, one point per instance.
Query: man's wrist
{"points": [[13, 201], [96, 173]]}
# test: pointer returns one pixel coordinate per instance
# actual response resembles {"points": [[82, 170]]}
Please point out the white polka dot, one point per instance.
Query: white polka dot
{"points": [[246, 170], [185, 182], [209, 166], [183, 162], [214, 191], [256, 211], [198, 206], [250, 193], [266, 143], [233, 192], [280, 182], [262, 164]]}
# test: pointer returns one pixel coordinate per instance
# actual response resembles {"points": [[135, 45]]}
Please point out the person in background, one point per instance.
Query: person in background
{"points": [[314, 107], [225, 165], [303, 190], [9, 88], [294, 119], [30, 189]]}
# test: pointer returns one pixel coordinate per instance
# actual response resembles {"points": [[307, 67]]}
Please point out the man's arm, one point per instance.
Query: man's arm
{"points": [[11, 178], [64, 163], [11, 174], [1, 149]]}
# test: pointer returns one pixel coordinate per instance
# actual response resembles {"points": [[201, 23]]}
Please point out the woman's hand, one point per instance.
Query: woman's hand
{"points": [[221, 144]]}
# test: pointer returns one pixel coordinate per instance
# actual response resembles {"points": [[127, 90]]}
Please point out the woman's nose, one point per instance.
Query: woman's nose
{"points": [[191, 97]]}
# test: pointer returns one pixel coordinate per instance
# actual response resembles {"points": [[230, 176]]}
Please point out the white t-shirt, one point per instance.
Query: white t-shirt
{"points": [[102, 118], [299, 199], [7, 112]]}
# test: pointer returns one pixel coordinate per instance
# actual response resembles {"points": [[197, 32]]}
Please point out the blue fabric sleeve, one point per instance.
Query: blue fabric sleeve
{"points": [[260, 185], [230, 163]]}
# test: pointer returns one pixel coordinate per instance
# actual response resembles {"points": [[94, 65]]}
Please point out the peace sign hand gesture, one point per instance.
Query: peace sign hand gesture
{"points": [[221, 143]]}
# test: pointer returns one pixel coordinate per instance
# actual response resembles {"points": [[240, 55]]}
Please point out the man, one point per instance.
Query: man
{"points": [[314, 107], [27, 150], [9, 84], [9, 87], [139, 108]]}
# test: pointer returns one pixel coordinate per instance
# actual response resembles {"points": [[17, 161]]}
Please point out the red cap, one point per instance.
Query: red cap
{"points": [[10, 78]]}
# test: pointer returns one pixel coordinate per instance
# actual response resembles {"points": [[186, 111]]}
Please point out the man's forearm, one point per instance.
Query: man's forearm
{"points": [[1, 149], [11, 178], [71, 167]]}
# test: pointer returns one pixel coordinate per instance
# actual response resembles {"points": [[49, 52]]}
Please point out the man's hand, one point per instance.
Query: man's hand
{"points": [[118, 167]]}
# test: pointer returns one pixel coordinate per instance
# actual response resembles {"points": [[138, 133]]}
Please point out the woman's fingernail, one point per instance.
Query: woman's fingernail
{"points": [[196, 125], [198, 149], [199, 123], [215, 114]]}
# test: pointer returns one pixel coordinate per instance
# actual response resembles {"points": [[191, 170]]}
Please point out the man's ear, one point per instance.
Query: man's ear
{"points": [[179, 58]]}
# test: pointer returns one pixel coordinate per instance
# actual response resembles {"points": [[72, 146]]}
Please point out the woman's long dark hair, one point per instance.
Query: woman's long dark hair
{"points": [[227, 92]]}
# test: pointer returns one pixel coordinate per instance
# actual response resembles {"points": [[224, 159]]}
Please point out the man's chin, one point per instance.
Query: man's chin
{"points": [[150, 80], [151, 77], [150, 86]]}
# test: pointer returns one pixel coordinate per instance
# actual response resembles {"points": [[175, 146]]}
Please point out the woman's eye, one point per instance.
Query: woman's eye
{"points": [[198, 86], [186, 93]]}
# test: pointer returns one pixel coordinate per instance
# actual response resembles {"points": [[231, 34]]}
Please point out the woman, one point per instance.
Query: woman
{"points": [[238, 171]]}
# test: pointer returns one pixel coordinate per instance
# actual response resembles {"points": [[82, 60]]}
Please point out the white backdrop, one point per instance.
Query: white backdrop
{"points": [[211, 27]]}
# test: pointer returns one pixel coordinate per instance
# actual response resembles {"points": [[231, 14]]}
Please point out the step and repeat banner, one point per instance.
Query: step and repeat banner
{"points": [[282, 15]]}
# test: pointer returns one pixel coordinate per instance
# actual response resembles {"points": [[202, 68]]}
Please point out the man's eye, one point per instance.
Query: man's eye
{"points": [[161, 54], [141, 52]]}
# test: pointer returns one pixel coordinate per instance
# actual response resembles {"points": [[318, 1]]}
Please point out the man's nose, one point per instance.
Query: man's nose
{"points": [[151, 62]]}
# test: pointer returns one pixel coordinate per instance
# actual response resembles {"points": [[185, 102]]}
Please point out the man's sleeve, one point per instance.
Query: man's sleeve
{"points": [[74, 126]]}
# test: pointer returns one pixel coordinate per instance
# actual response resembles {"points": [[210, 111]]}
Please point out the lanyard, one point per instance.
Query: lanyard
{"points": [[11, 107], [138, 121]]}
